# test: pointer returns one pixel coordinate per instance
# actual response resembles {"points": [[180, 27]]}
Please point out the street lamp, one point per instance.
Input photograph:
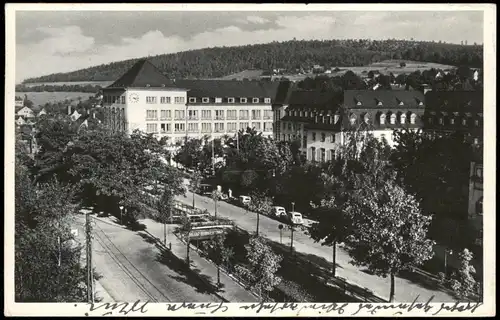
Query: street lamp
{"points": [[446, 253], [281, 233], [293, 206], [121, 214]]}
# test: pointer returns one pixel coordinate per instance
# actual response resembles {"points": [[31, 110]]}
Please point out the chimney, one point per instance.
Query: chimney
{"points": [[69, 110]]}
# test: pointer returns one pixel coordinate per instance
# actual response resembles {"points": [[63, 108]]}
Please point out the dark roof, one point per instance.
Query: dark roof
{"points": [[454, 99], [389, 98], [314, 99], [283, 92], [228, 88], [142, 74]]}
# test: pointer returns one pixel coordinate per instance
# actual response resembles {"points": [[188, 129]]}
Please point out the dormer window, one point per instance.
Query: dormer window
{"points": [[192, 100], [379, 103], [403, 118], [230, 100], [301, 113], [243, 100], [267, 100], [440, 120], [255, 100], [413, 117], [476, 123], [464, 121], [400, 102], [382, 118], [352, 119], [452, 120], [306, 114], [420, 103], [218, 100], [205, 100], [357, 102], [393, 118]]}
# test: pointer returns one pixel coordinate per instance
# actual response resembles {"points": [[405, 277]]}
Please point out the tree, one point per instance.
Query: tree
{"points": [[216, 195], [195, 183], [221, 253], [463, 282], [190, 153], [260, 204], [402, 64], [388, 231], [262, 267]]}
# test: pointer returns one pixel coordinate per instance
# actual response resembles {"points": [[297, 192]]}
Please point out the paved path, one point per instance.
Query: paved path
{"points": [[406, 290], [133, 268]]}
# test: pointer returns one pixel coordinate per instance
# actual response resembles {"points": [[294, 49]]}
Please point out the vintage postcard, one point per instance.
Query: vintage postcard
{"points": [[250, 160]]}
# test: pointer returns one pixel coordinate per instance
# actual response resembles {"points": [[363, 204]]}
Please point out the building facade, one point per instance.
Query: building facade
{"points": [[144, 99], [319, 120], [455, 111]]}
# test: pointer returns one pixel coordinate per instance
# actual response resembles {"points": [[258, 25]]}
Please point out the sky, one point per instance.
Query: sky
{"points": [[60, 41]]}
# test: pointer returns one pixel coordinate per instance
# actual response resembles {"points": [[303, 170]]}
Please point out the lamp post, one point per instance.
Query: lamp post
{"points": [[281, 233], [446, 252], [293, 206], [291, 243], [121, 214]]}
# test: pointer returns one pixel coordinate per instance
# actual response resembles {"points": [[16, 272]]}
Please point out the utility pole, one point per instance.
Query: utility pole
{"points": [[90, 275], [291, 243], [213, 156]]}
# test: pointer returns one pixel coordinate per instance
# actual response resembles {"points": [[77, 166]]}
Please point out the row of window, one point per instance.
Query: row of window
{"points": [[453, 121], [383, 117], [164, 100], [114, 99], [207, 127], [321, 155], [229, 100], [207, 114]]}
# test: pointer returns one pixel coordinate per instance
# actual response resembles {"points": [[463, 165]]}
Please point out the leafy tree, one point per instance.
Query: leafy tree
{"points": [[190, 153], [195, 183], [388, 231], [463, 282], [263, 264], [216, 196], [220, 252]]}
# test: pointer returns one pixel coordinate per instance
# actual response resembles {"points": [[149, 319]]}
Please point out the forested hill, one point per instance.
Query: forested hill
{"points": [[289, 55]]}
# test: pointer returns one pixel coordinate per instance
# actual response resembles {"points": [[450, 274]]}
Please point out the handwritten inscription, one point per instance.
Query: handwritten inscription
{"points": [[460, 307], [122, 307], [274, 307], [399, 307], [212, 307]]}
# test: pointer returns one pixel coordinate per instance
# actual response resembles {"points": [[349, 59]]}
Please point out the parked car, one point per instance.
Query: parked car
{"points": [[295, 218], [244, 200], [206, 189], [278, 212]]}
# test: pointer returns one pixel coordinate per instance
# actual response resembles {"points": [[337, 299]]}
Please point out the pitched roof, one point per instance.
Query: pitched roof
{"points": [[228, 88], [454, 99], [284, 92], [388, 98], [142, 74], [328, 100]]}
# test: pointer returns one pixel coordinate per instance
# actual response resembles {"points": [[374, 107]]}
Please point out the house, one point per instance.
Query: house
{"points": [[75, 115], [20, 121], [41, 112], [25, 112], [19, 102], [319, 119], [145, 99], [455, 111]]}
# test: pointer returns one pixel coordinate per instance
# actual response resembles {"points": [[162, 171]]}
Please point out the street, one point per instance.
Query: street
{"points": [[406, 290], [133, 268]]}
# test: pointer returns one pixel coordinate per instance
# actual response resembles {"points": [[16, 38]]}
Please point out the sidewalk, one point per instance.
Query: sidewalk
{"points": [[230, 291], [101, 295]]}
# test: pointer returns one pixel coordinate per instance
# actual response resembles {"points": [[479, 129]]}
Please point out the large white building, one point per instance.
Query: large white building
{"points": [[143, 98]]}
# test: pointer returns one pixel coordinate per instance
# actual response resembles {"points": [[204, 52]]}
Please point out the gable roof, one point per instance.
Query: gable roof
{"points": [[327, 100], [142, 74], [284, 92], [228, 88], [454, 99], [388, 98]]}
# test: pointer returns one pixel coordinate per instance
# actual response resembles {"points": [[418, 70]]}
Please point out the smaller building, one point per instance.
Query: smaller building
{"points": [[20, 121], [19, 102], [25, 112], [42, 112]]}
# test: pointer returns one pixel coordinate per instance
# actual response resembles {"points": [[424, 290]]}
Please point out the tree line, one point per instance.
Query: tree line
{"points": [[289, 55], [59, 88]]}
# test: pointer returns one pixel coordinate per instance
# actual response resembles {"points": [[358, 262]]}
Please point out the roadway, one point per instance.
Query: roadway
{"points": [[133, 268], [406, 290]]}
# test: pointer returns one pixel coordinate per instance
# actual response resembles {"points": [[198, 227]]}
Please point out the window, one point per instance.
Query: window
{"points": [[218, 100], [452, 120], [151, 100], [313, 136], [476, 141], [193, 127], [332, 154], [152, 128], [231, 126], [230, 100], [313, 154], [479, 172], [255, 100], [332, 138], [304, 141], [479, 206], [476, 123], [151, 114], [243, 100], [268, 114], [219, 114], [179, 100], [267, 100], [413, 117], [192, 114], [244, 125], [205, 100], [231, 115], [256, 125], [323, 137], [206, 114], [219, 127], [165, 114], [192, 100], [179, 114], [206, 127], [243, 114], [323, 155], [336, 118], [180, 127], [268, 126], [464, 121], [289, 125], [430, 120], [367, 118], [165, 127], [167, 100], [122, 99], [382, 119], [256, 115], [393, 118], [403, 119]]}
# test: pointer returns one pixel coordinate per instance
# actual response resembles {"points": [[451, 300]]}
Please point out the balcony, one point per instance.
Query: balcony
{"points": [[180, 118], [193, 118]]}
